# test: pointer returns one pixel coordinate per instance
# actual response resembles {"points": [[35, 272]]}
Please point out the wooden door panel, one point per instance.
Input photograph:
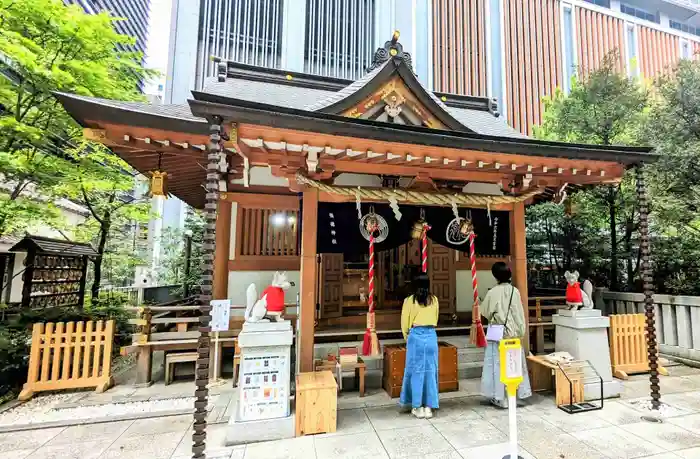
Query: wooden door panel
{"points": [[331, 278], [441, 269]]}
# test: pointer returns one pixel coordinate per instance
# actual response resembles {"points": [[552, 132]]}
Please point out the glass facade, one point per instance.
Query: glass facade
{"points": [[638, 13]]}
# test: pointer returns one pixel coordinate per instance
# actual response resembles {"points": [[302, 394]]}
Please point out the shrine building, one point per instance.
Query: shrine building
{"points": [[288, 166]]}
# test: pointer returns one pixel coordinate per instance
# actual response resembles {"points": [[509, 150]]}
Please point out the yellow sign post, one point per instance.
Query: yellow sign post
{"points": [[511, 353]]}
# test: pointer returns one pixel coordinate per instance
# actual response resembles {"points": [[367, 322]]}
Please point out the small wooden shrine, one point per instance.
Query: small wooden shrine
{"points": [[54, 272], [287, 165]]}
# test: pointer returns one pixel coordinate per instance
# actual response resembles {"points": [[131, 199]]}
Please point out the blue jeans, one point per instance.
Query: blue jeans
{"points": [[420, 378]]}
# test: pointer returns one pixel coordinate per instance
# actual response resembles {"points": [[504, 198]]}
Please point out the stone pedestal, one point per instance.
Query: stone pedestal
{"points": [[584, 335], [262, 410]]}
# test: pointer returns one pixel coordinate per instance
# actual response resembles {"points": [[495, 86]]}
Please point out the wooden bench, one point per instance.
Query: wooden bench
{"points": [[541, 372], [176, 357]]}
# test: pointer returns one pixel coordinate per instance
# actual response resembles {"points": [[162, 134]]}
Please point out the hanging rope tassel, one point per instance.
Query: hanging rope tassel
{"points": [[476, 332], [370, 344], [424, 248]]}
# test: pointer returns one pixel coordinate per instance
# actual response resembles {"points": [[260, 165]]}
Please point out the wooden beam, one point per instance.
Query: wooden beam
{"points": [[266, 263], [264, 201], [519, 264], [330, 197], [309, 276], [221, 254]]}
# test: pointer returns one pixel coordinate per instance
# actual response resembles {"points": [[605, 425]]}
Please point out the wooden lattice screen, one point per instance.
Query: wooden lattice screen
{"points": [[69, 356], [267, 233]]}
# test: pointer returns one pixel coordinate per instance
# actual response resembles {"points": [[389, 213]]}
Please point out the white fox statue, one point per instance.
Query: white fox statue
{"points": [[271, 305]]}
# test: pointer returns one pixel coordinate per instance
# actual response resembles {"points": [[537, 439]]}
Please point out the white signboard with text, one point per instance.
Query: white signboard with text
{"points": [[220, 315]]}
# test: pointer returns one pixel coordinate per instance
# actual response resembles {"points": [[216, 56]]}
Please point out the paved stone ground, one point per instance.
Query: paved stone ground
{"points": [[463, 428]]}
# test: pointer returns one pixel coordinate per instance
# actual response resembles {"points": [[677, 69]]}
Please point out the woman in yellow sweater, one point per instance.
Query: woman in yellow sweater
{"points": [[419, 318]]}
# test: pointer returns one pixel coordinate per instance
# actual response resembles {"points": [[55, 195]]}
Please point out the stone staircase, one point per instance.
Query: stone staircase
{"points": [[469, 358]]}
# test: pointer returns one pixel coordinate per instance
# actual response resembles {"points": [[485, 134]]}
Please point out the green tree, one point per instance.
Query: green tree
{"points": [[46, 46], [605, 108], [174, 263], [104, 184]]}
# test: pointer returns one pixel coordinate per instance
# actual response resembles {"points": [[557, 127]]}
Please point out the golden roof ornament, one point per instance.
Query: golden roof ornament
{"points": [[392, 49]]}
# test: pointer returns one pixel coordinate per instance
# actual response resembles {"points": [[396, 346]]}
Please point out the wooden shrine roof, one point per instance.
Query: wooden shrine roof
{"points": [[384, 123]]}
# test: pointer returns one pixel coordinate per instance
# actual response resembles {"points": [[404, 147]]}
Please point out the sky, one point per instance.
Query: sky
{"points": [[158, 36]]}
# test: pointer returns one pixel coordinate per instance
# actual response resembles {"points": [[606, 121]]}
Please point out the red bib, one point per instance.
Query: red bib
{"points": [[275, 298], [573, 294]]}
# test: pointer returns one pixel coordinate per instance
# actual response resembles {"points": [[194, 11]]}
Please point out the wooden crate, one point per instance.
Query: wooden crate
{"points": [[316, 403], [564, 388], [395, 364]]}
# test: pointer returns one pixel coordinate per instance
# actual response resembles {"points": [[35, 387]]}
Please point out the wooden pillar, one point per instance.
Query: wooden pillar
{"points": [[309, 276], [519, 256], [221, 250]]}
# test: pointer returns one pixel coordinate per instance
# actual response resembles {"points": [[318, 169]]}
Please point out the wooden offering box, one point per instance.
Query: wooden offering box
{"points": [[395, 363], [316, 403]]}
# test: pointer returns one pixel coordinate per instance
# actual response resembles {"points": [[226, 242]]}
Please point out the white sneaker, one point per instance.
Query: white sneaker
{"points": [[428, 413], [418, 412]]}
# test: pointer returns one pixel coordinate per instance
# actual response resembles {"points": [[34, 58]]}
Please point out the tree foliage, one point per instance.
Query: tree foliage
{"points": [[47, 47], [604, 108]]}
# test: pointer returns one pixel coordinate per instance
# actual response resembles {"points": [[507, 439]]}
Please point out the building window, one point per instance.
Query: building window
{"points": [[641, 14], [339, 37], [605, 3], [684, 27], [569, 47], [631, 39]]}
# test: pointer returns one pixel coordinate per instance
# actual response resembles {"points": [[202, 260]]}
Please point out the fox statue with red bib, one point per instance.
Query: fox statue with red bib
{"points": [[271, 305], [577, 297]]}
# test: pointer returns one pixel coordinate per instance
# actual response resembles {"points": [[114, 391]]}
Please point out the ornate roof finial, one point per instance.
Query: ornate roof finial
{"points": [[391, 49]]}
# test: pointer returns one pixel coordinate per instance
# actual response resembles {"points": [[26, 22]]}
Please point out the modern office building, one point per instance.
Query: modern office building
{"points": [[516, 51], [134, 12]]}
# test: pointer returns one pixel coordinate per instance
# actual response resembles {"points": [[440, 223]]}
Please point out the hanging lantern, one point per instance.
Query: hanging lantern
{"points": [[159, 180]]}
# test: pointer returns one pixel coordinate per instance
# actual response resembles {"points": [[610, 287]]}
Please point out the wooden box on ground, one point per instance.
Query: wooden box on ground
{"points": [[568, 391], [316, 403], [395, 363]]}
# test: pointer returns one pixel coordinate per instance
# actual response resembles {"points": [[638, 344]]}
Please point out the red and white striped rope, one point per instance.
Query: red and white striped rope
{"points": [[424, 249], [472, 257], [370, 301]]}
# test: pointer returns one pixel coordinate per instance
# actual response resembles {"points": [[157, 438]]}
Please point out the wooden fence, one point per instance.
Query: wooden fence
{"points": [[69, 356], [628, 345], [677, 320]]}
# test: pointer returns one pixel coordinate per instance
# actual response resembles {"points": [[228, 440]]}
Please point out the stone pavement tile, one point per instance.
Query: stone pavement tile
{"points": [[495, 451], [378, 397], [691, 422], [16, 454], [470, 433], [155, 446], [216, 442], [670, 384], [27, 439], [558, 446], [682, 370], [668, 436], [484, 409], [664, 456], [636, 389], [453, 411], [84, 450], [350, 422], [617, 443], [470, 386], [388, 418], [529, 424], [443, 455], [105, 432], [692, 453], [416, 441], [574, 422], [354, 446], [687, 400], [617, 413], [294, 448], [165, 424]]}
